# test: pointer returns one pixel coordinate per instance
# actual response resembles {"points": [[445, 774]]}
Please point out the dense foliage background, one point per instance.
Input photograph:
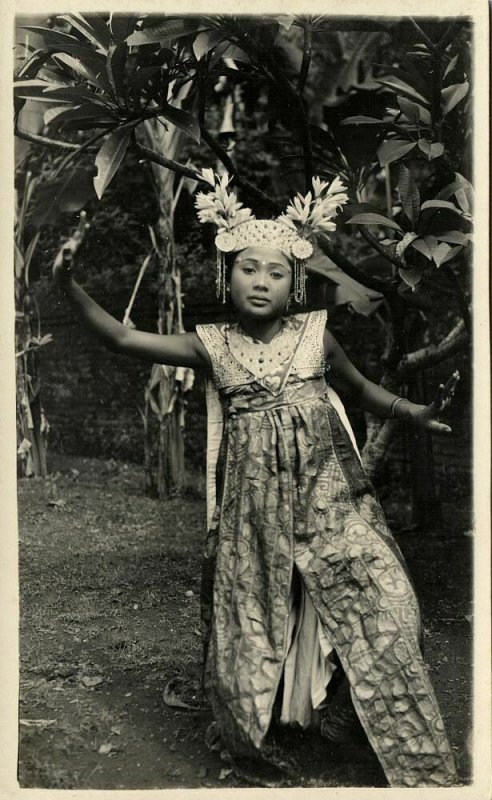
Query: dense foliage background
{"points": [[117, 114]]}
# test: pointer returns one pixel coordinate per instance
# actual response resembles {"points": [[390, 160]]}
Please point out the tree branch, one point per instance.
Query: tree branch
{"points": [[434, 354], [150, 155], [381, 249], [37, 139], [354, 272]]}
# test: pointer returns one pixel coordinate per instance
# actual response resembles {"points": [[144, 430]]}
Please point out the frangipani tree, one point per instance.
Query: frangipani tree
{"points": [[106, 78]]}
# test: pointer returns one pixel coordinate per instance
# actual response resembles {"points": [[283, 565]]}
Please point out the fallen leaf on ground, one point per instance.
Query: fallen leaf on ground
{"points": [[92, 680], [116, 729], [105, 749], [172, 700], [224, 773], [37, 723], [57, 503]]}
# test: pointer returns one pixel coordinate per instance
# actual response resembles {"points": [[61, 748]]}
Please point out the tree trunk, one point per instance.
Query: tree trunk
{"points": [[31, 424], [165, 401]]}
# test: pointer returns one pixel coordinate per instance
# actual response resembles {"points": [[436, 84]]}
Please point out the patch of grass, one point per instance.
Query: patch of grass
{"points": [[105, 591]]}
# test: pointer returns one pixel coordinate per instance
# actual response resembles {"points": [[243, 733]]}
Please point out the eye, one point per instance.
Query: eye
{"points": [[278, 275]]}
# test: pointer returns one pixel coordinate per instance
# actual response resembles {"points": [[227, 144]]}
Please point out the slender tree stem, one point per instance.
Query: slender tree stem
{"points": [[430, 44], [306, 56]]}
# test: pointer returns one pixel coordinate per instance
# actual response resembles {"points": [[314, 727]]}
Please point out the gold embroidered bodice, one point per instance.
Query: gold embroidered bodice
{"points": [[237, 359]]}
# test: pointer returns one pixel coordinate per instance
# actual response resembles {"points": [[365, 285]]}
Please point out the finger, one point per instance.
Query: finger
{"points": [[439, 427], [438, 403]]}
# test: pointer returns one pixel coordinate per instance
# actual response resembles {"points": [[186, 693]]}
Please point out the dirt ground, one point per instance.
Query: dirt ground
{"points": [[110, 615]]}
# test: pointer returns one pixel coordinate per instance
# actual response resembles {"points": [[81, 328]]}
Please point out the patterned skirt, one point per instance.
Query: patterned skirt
{"points": [[292, 494]]}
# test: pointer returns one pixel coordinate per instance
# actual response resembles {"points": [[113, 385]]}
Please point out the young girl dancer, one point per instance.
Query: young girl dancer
{"points": [[300, 571]]}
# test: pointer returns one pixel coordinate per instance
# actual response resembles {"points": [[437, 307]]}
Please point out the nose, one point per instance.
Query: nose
{"points": [[260, 282]]}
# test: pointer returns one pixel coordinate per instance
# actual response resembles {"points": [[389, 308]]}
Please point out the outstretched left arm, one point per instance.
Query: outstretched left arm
{"points": [[379, 401]]}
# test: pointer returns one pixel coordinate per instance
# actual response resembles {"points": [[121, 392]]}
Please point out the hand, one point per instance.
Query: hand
{"points": [[427, 417], [63, 262]]}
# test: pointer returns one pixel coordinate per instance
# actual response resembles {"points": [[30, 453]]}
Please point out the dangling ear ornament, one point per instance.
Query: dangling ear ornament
{"points": [[289, 233]]}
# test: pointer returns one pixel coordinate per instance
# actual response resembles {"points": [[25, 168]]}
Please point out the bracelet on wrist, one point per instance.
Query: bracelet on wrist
{"points": [[394, 404]]}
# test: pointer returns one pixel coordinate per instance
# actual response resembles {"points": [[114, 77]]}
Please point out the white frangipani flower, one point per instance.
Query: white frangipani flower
{"points": [[318, 186]]}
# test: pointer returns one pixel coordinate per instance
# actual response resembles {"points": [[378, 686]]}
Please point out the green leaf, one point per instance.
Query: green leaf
{"points": [[79, 95], [411, 276], [441, 204], [453, 237], [431, 149], [453, 252], [122, 25], [402, 88], [237, 54], [34, 89], [409, 195], [89, 68], [115, 64], [92, 27], [53, 37], [414, 72], [33, 65], [110, 157], [71, 116], [414, 112], [51, 114], [206, 41], [459, 185], [451, 65], [182, 119], [349, 291], [422, 247], [439, 252], [167, 31], [360, 119], [393, 149], [373, 219], [452, 95]]}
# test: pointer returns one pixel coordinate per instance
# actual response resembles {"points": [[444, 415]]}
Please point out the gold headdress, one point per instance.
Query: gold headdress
{"points": [[290, 233]]}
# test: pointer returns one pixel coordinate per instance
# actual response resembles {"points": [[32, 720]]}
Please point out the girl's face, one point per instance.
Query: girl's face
{"points": [[260, 282]]}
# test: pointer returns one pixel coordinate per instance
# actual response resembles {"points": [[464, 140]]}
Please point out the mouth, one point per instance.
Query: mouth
{"points": [[258, 301]]}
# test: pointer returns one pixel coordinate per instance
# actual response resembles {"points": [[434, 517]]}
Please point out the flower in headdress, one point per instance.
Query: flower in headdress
{"points": [[302, 249], [225, 242], [220, 206], [318, 186]]}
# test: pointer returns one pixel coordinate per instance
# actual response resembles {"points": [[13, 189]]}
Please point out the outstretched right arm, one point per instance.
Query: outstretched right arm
{"points": [[184, 349]]}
